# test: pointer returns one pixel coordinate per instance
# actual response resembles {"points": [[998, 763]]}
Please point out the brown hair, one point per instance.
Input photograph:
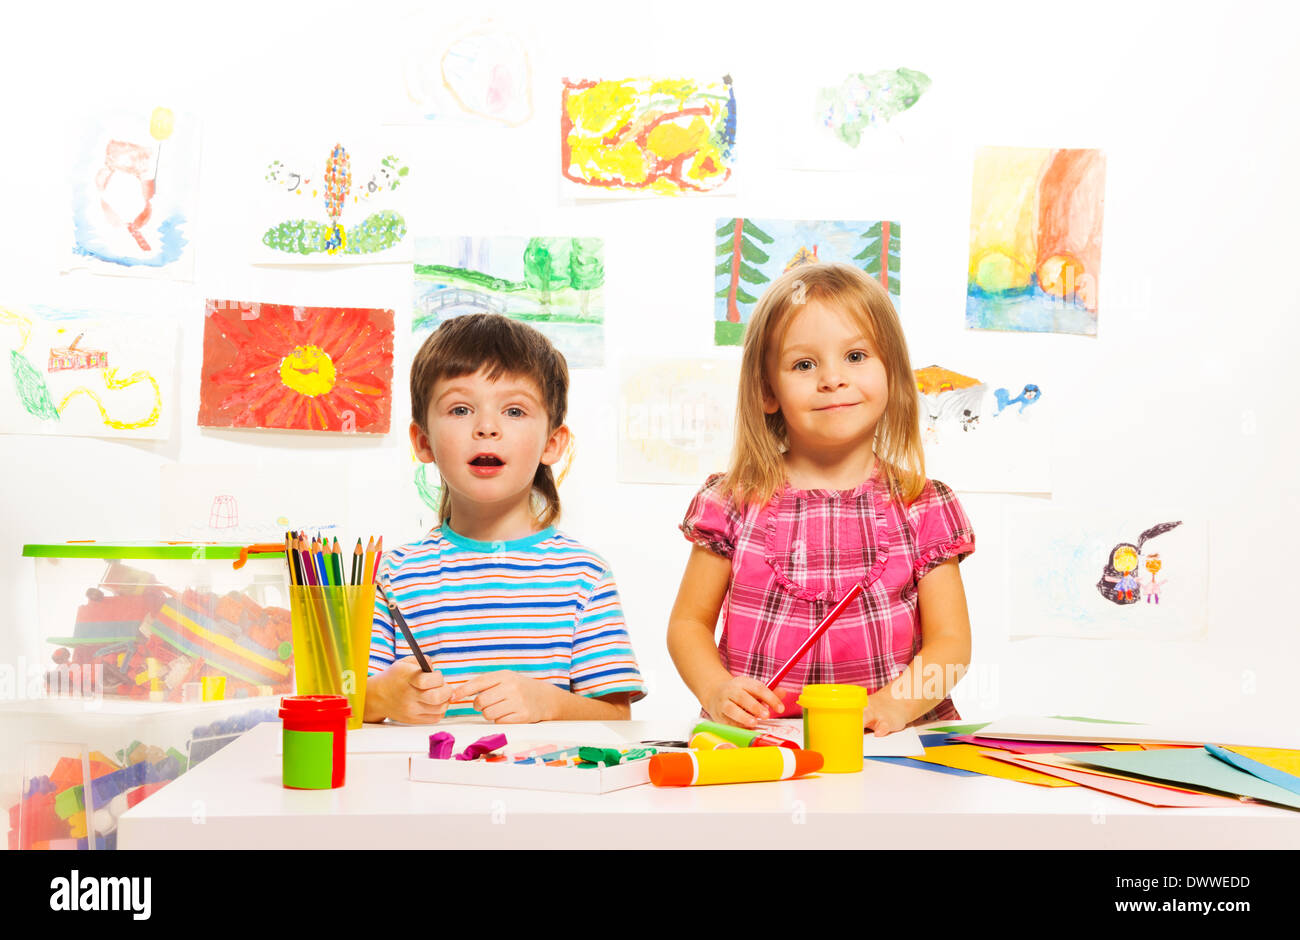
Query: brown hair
{"points": [[464, 345], [757, 470]]}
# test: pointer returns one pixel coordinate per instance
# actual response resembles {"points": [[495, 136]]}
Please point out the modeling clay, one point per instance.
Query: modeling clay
{"points": [[482, 746], [440, 745]]}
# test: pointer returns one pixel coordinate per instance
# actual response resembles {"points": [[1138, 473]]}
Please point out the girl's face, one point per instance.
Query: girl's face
{"points": [[826, 380], [488, 437]]}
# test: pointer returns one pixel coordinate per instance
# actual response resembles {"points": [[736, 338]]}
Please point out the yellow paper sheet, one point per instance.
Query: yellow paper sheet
{"points": [[970, 757], [1278, 758]]}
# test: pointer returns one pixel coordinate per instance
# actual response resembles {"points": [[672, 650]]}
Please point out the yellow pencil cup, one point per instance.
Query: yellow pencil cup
{"points": [[331, 642], [832, 725]]}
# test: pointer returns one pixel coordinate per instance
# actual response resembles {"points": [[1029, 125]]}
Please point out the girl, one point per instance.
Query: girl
{"points": [[826, 488], [520, 622]]}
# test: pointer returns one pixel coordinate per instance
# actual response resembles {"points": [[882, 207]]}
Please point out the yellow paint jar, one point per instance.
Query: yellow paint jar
{"points": [[832, 725]]}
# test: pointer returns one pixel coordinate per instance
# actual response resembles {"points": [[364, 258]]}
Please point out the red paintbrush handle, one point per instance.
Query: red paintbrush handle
{"points": [[822, 627]]}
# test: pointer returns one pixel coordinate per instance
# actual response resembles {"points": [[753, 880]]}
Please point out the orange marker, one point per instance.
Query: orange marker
{"points": [[734, 765]]}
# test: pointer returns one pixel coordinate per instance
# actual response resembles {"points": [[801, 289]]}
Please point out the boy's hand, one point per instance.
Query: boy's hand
{"points": [[506, 697], [742, 701], [412, 696], [885, 715]]}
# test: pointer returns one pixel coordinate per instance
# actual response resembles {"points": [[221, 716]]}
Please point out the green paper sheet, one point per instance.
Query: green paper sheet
{"points": [[955, 729], [1189, 767]]}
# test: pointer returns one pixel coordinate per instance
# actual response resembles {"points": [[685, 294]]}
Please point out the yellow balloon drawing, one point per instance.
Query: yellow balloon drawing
{"points": [[161, 123], [308, 370]]}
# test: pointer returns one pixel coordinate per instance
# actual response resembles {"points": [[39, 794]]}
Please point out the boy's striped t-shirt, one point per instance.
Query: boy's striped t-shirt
{"points": [[544, 605]]}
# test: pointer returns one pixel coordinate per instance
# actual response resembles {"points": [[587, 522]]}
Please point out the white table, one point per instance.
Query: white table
{"points": [[234, 800]]}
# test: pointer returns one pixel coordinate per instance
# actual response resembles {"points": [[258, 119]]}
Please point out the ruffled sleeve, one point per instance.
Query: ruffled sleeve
{"points": [[941, 528], [712, 520]]}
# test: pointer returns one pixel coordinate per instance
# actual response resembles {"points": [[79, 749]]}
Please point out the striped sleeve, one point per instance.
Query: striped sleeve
{"points": [[383, 643], [603, 661]]}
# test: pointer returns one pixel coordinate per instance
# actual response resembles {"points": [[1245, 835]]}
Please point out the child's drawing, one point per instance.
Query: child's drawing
{"points": [[675, 419], [753, 252], [553, 284], [1119, 581], [251, 503], [977, 436], [470, 73], [79, 373], [632, 137], [1053, 589], [309, 368], [134, 177], [344, 206], [1035, 240], [868, 101]]}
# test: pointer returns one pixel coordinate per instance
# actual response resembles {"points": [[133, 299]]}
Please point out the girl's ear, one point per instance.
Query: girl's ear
{"points": [[420, 444], [770, 404], [556, 445]]}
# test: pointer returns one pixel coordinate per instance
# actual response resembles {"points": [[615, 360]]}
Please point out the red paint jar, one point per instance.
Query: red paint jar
{"points": [[315, 740]]}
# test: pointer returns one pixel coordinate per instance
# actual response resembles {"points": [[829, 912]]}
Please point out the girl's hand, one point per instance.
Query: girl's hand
{"points": [[742, 701], [410, 695], [506, 697], [885, 715]]}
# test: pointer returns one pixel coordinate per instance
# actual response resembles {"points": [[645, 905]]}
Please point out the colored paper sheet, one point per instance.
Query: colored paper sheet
{"points": [[1196, 732], [1023, 747], [1286, 760], [959, 729], [1261, 770], [1196, 768], [968, 757], [1068, 761], [923, 765], [905, 743], [1150, 794]]}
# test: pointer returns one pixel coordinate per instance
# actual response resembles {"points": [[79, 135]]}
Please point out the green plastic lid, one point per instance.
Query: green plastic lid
{"points": [[184, 551]]}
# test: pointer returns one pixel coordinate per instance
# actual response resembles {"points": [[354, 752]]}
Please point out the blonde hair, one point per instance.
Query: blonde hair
{"points": [[757, 471]]}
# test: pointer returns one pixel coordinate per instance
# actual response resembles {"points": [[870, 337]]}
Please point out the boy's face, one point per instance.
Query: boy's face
{"points": [[826, 379], [488, 437]]}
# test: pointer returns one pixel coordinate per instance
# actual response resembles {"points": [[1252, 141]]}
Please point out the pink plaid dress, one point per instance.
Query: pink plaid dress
{"points": [[794, 557]]}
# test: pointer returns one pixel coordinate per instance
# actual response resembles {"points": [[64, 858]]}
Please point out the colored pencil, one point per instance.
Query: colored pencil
{"points": [[356, 563], [368, 562], [406, 631], [379, 553], [336, 561], [822, 627], [289, 560]]}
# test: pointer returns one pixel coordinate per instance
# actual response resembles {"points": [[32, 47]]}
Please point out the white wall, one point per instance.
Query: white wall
{"points": [[1181, 397]]}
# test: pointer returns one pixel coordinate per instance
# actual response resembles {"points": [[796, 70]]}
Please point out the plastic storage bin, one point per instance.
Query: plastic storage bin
{"points": [[152, 622], [69, 768]]}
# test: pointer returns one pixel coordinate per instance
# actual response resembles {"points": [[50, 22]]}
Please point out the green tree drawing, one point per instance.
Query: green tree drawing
{"points": [[882, 254], [586, 269], [546, 267], [737, 248]]}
